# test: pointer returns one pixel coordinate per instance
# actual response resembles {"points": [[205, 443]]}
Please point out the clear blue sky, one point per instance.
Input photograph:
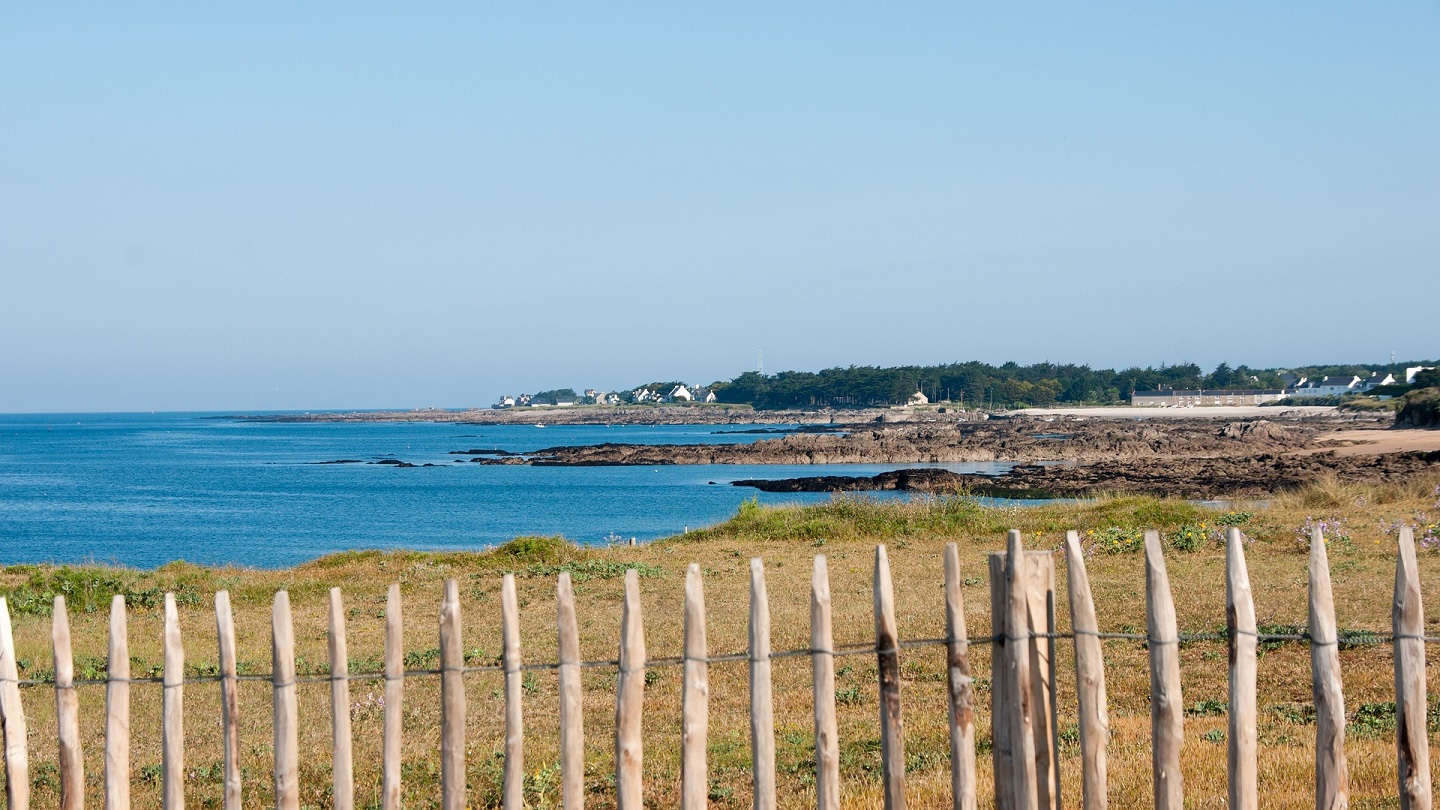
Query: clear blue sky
{"points": [[350, 205]]}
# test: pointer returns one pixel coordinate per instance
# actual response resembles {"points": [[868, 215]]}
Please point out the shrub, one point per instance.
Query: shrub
{"points": [[1189, 538], [1419, 409]]}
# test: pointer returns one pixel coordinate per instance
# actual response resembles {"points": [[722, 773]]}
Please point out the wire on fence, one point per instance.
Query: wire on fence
{"points": [[840, 650]]}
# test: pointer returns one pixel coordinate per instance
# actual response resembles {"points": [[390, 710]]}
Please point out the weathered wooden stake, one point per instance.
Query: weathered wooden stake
{"points": [[1014, 709], [1242, 737], [229, 699], [695, 699], [172, 735], [342, 760], [762, 705], [1089, 680], [1332, 775], [822, 658], [287, 720], [572, 696], [12, 714], [117, 711], [630, 701], [513, 794], [887, 652], [452, 701], [394, 700], [1411, 737], [67, 711], [962, 688], [1166, 704]]}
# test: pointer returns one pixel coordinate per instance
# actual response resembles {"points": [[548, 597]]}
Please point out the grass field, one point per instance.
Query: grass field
{"points": [[846, 531]]}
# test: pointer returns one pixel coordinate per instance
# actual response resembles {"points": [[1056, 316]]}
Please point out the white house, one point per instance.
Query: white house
{"points": [[1377, 379], [1412, 371], [506, 401], [681, 394], [710, 396], [918, 398], [1328, 387]]}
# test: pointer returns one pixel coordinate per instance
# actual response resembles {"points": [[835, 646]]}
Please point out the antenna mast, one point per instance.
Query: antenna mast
{"points": [[760, 362]]}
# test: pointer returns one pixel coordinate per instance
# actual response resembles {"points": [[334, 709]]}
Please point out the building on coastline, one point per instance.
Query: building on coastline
{"points": [[1192, 398], [918, 398], [1377, 379], [680, 394], [506, 401], [1412, 371], [1328, 387]]}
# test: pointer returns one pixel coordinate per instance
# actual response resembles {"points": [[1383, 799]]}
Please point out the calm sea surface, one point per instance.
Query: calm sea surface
{"points": [[147, 489]]}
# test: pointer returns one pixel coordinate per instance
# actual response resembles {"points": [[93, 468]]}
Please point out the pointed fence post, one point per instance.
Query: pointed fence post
{"points": [[12, 714], [172, 735], [572, 696], [762, 705], [452, 701], [1332, 775], [287, 720], [887, 662], [1411, 738], [229, 699], [962, 688], [630, 701], [513, 796], [117, 711], [342, 780], [822, 658], [695, 698], [1089, 679], [67, 711], [1166, 704], [394, 699], [1242, 737], [1014, 708]]}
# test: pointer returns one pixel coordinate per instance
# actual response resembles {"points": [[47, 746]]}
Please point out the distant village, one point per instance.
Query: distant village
{"points": [[1297, 387], [566, 398]]}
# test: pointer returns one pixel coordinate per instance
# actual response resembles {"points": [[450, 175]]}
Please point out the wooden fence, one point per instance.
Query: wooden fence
{"points": [[1024, 726]]}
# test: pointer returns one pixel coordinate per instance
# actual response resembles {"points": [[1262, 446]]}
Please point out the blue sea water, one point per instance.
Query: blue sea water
{"points": [[147, 489]]}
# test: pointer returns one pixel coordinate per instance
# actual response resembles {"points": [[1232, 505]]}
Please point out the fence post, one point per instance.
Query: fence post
{"points": [[1332, 775], [887, 667], [630, 701], [12, 713], [229, 699], [1013, 704], [572, 695], [342, 760], [762, 707], [695, 698], [287, 721], [1167, 721], [172, 757], [117, 711], [1242, 740], [822, 662], [67, 711], [513, 796], [394, 699], [452, 701], [1089, 679], [1411, 738], [962, 688]]}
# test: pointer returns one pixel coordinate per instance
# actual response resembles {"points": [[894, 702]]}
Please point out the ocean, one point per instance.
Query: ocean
{"points": [[144, 490]]}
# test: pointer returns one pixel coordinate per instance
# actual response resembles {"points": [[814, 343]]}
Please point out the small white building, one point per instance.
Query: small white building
{"points": [[1328, 387], [710, 396], [918, 398], [506, 401], [1412, 371], [1376, 380], [681, 394]]}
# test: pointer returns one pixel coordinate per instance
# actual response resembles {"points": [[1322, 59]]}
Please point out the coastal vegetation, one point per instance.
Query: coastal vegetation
{"points": [[1360, 520], [975, 384]]}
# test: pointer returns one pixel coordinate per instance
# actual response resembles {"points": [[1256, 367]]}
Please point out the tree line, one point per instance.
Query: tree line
{"points": [[1011, 385]]}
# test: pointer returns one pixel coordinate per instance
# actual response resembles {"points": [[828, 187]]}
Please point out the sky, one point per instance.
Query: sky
{"points": [[310, 206]]}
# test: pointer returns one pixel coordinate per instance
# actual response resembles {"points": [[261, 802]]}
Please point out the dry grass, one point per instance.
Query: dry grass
{"points": [[787, 539]]}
